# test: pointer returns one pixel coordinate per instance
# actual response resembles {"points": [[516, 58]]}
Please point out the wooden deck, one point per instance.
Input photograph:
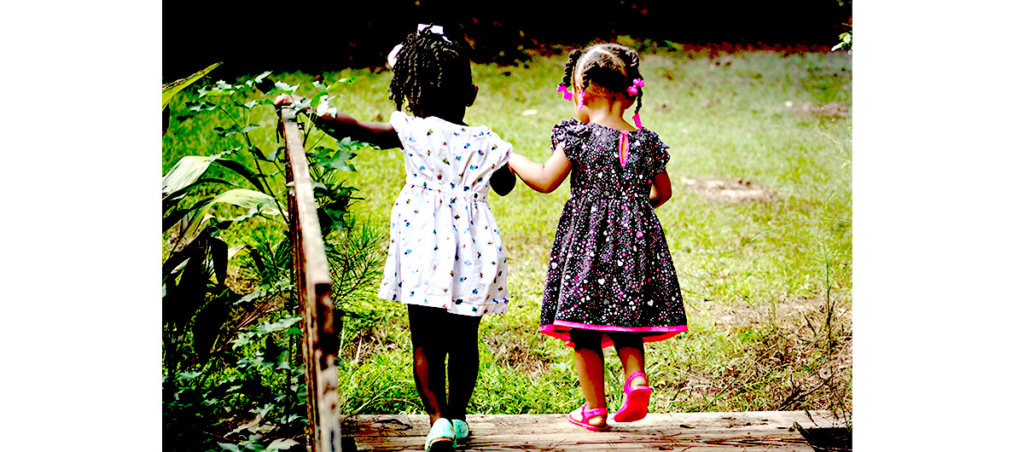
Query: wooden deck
{"points": [[750, 431]]}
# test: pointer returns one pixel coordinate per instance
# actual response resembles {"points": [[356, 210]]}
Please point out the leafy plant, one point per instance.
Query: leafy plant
{"points": [[233, 373], [170, 89], [845, 41]]}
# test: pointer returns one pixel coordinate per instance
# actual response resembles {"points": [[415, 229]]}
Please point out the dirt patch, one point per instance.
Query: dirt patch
{"points": [[829, 110], [729, 191]]}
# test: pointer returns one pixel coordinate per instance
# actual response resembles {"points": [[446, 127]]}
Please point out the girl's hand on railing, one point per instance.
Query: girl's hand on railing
{"points": [[284, 99]]}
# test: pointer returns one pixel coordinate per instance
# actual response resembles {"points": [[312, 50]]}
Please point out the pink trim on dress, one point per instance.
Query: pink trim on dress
{"points": [[560, 330]]}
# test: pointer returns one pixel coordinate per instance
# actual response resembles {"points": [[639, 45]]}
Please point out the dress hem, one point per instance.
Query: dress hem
{"points": [[465, 308], [560, 330]]}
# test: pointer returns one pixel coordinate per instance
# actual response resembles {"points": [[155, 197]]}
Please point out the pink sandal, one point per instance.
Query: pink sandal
{"points": [[637, 399], [586, 415]]}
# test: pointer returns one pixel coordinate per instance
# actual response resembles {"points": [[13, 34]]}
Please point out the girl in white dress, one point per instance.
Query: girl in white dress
{"points": [[445, 260]]}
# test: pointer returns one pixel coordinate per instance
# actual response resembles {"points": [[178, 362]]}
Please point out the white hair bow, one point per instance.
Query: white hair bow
{"points": [[435, 29]]}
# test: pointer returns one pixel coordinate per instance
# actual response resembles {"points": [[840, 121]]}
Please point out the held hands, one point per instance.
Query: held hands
{"points": [[543, 177]]}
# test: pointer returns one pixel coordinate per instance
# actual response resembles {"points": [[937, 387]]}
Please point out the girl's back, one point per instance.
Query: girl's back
{"points": [[446, 251], [610, 264], [600, 169], [449, 158]]}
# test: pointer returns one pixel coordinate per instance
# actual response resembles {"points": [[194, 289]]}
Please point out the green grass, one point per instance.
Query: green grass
{"points": [[761, 279]]}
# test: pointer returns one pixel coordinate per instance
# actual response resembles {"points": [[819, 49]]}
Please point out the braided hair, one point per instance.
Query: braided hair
{"points": [[431, 70], [610, 66]]}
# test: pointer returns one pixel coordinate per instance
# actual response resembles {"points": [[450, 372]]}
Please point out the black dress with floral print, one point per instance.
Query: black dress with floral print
{"points": [[610, 268]]}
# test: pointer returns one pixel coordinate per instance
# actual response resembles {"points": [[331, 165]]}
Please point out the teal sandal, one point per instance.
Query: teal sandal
{"points": [[441, 437], [461, 428]]}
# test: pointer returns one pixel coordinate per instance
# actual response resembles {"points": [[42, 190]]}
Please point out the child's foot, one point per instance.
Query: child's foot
{"points": [[636, 399], [595, 419], [441, 437], [461, 428]]}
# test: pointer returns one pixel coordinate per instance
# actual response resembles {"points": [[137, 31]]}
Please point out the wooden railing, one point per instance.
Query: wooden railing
{"points": [[313, 284]]}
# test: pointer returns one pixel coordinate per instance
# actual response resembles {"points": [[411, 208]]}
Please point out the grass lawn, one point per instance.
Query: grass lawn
{"points": [[759, 228]]}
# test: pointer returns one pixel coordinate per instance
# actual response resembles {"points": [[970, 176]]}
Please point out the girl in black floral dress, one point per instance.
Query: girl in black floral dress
{"points": [[611, 280]]}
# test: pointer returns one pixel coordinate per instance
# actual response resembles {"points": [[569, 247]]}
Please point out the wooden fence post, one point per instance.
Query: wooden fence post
{"points": [[313, 284]]}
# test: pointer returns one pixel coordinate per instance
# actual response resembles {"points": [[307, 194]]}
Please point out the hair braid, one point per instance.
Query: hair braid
{"points": [[570, 67], [429, 69], [632, 59], [608, 65]]}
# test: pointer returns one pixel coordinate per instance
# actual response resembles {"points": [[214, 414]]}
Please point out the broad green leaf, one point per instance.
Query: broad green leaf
{"points": [[282, 444], [184, 172], [341, 161], [200, 218], [243, 171], [259, 78], [303, 103], [176, 86], [187, 170], [248, 199], [325, 108], [273, 155], [221, 88], [233, 129], [200, 106], [674, 45], [273, 327], [282, 87]]}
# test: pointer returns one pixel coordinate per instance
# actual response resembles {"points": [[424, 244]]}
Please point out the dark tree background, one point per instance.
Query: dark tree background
{"points": [[314, 37]]}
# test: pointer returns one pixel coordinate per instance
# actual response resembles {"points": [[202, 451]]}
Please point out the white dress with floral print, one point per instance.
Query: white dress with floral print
{"points": [[445, 249]]}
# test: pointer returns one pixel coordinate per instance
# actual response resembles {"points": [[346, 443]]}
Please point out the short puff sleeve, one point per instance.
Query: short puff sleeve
{"points": [[498, 150], [658, 154], [572, 135], [404, 126]]}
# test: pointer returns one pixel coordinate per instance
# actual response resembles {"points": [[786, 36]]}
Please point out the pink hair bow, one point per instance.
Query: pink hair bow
{"points": [[566, 94], [637, 83]]}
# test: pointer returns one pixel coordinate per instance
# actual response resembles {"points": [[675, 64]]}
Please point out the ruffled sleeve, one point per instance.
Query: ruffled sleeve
{"points": [[499, 151], [572, 135], [659, 155], [403, 124]]}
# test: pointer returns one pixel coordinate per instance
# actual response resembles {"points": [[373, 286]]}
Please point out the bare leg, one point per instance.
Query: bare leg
{"points": [[634, 406], [463, 363], [428, 360], [630, 348], [590, 370]]}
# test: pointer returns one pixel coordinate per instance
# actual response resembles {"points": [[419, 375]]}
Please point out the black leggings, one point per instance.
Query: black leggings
{"points": [[436, 334], [437, 329]]}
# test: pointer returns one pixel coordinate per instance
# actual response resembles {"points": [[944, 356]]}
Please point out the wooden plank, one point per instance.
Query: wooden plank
{"points": [[753, 431], [313, 284]]}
